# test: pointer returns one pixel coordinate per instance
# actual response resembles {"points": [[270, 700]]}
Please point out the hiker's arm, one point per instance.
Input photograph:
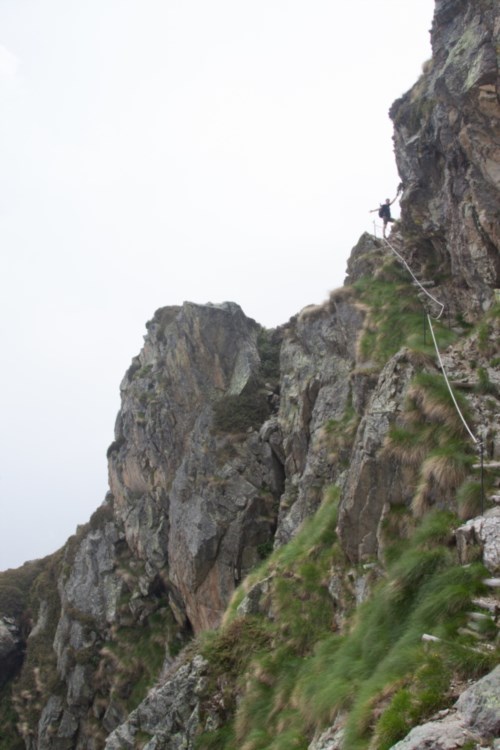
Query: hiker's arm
{"points": [[400, 190]]}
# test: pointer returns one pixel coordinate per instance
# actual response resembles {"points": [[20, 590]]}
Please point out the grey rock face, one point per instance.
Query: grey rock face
{"points": [[11, 649], [448, 734], [317, 358], [55, 714], [331, 739], [9, 637], [170, 713], [485, 531], [254, 601], [480, 705], [191, 500], [190, 505], [373, 481], [476, 717], [448, 152]]}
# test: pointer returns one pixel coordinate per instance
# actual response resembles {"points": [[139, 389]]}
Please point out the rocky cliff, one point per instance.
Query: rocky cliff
{"points": [[448, 154], [300, 544]]}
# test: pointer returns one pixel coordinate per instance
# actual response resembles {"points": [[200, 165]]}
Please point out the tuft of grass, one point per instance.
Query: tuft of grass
{"points": [[409, 443], [469, 499], [395, 317], [214, 740], [431, 439], [447, 465], [429, 395]]}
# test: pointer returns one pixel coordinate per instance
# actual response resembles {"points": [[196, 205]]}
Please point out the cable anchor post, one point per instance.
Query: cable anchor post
{"points": [[481, 448]]}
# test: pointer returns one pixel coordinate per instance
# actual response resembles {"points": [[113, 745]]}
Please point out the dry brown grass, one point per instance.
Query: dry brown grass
{"points": [[342, 294], [444, 471], [430, 407], [313, 312], [410, 452], [422, 500]]}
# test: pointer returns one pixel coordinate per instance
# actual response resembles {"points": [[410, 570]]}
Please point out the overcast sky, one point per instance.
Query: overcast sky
{"points": [[155, 151]]}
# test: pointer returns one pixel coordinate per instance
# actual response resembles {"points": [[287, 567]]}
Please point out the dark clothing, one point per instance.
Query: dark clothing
{"points": [[385, 212]]}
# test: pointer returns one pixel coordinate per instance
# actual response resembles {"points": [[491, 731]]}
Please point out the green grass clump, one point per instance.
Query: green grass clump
{"points": [[470, 499], [426, 591], [429, 396], [407, 708], [294, 672], [396, 316]]}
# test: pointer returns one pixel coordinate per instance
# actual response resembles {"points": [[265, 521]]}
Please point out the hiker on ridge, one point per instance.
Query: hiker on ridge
{"points": [[384, 211]]}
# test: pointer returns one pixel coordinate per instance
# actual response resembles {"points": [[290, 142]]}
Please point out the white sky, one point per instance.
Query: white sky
{"points": [[155, 151]]}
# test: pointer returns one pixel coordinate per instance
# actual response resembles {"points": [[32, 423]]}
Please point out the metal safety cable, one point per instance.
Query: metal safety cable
{"points": [[474, 438], [438, 354], [440, 304]]}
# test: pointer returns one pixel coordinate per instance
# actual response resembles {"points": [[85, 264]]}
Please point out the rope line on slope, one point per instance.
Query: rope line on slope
{"points": [[475, 440], [403, 261]]}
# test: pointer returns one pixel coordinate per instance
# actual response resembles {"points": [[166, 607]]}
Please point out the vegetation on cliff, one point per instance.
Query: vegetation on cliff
{"points": [[336, 440]]}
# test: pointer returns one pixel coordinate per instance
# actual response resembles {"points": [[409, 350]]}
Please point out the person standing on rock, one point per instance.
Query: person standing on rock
{"points": [[384, 211]]}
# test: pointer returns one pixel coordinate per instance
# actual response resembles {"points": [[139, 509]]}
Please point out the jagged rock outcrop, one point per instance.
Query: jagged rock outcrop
{"points": [[193, 503], [317, 389], [170, 715], [192, 498], [373, 484], [447, 148], [485, 532]]}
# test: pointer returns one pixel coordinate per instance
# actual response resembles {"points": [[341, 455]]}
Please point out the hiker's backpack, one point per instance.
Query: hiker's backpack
{"points": [[383, 210]]}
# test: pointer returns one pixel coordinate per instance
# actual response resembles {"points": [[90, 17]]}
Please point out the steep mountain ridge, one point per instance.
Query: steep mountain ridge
{"points": [[332, 439], [447, 148]]}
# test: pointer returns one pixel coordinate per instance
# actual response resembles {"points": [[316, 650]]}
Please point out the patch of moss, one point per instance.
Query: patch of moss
{"points": [[239, 413]]}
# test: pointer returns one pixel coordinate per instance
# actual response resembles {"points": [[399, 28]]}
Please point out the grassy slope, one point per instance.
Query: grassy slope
{"points": [[281, 675]]}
